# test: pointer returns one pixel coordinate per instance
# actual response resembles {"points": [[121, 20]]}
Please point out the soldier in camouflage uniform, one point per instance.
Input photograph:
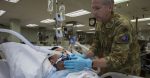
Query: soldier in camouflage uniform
{"points": [[116, 43]]}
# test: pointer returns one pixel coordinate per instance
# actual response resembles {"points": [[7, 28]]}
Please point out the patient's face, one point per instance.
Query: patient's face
{"points": [[59, 65], [53, 59]]}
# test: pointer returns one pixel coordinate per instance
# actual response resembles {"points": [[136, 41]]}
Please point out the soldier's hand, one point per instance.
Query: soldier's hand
{"points": [[101, 62]]}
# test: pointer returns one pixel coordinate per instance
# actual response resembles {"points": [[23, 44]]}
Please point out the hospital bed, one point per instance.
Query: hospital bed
{"points": [[4, 72], [5, 66]]}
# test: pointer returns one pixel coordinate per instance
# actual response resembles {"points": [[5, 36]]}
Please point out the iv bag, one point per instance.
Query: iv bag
{"points": [[59, 17], [73, 40], [59, 33], [50, 5], [62, 11]]}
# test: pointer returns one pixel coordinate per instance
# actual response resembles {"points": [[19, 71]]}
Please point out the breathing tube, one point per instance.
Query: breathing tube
{"points": [[25, 40]]}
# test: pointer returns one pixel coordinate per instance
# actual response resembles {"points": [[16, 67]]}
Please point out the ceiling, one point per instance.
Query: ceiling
{"points": [[33, 11]]}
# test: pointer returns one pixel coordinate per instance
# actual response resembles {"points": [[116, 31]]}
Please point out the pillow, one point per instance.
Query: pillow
{"points": [[24, 62]]}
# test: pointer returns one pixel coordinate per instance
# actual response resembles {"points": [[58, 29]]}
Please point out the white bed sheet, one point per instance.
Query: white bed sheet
{"points": [[24, 62]]}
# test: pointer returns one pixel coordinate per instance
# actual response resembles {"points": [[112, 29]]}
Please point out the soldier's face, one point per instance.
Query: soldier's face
{"points": [[99, 10]]}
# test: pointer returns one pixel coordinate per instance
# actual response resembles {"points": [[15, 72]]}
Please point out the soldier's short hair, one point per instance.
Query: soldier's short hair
{"points": [[108, 2]]}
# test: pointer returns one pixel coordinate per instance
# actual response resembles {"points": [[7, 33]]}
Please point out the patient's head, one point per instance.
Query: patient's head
{"points": [[53, 59]]}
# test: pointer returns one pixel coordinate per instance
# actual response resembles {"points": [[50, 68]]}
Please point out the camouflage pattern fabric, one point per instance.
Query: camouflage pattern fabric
{"points": [[116, 41]]}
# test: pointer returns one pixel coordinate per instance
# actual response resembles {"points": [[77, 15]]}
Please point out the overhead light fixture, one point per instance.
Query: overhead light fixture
{"points": [[47, 21], [79, 30], [32, 25], [141, 19], [57, 28], [69, 25], [148, 24], [2, 12], [90, 32], [75, 45], [13, 1], [92, 29], [120, 1], [79, 25], [78, 13]]}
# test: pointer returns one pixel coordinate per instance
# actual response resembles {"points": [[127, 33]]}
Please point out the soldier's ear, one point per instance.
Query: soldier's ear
{"points": [[110, 7]]}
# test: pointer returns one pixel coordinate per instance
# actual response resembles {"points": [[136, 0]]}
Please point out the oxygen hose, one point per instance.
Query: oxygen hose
{"points": [[25, 40]]}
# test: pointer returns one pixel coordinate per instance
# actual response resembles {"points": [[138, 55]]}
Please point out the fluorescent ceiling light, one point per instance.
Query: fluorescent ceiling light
{"points": [[75, 45], [120, 1], [69, 25], [79, 30], [2, 12], [47, 21], [13, 1], [79, 25], [32, 25], [148, 24], [141, 19], [57, 28], [78, 13], [90, 32], [92, 29]]}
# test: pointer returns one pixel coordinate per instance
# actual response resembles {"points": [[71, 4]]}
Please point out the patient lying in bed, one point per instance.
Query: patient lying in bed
{"points": [[25, 62], [63, 73]]}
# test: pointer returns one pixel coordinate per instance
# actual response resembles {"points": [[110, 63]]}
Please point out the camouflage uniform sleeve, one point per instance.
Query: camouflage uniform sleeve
{"points": [[97, 36], [120, 48], [94, 44]]}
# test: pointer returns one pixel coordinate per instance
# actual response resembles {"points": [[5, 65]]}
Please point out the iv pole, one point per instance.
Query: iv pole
{"points": [[59, 16]]}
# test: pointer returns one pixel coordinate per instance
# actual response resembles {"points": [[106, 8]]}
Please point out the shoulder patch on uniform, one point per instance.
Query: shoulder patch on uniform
{"points": [[123, 39]]}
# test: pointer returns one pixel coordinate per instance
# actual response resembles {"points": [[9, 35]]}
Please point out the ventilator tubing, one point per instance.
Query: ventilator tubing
{"points": [[84, 50], [25, 40], [82, 46]]}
